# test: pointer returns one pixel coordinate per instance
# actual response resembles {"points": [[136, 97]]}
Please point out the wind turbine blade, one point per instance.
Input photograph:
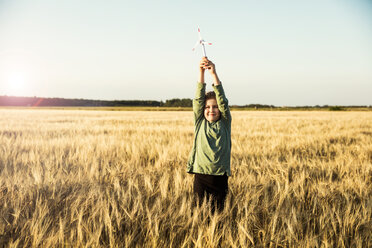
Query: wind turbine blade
{"points": [[196, 44], [200, 38], [206, 43]]}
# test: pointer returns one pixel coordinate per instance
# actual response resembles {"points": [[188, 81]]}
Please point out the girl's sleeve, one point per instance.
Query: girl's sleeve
{"points": [[199, 102], [222, 102]]}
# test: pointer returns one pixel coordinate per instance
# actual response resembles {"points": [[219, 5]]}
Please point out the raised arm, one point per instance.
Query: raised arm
{"points": [[222, 102], [199, 100]]}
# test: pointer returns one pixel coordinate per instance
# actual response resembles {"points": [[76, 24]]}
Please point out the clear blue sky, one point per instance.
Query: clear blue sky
{"points": [[284, 53]]}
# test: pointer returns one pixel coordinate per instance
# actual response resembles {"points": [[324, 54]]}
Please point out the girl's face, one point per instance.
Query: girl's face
{"points": [[211, 111]]}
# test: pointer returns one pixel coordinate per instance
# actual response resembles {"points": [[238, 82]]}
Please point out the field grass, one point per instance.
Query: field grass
{"points": [[118, 179], [149, 108]]}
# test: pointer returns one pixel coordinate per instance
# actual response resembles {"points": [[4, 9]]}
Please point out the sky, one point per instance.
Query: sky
{"points": [[284, 53]]}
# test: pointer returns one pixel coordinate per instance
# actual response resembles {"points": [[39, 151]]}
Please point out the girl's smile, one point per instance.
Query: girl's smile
{"points": [[211, 111]]}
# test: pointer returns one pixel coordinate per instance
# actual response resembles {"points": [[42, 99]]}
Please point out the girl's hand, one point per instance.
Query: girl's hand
{"points": [[211, 67], [203, 64], [206, 64]]}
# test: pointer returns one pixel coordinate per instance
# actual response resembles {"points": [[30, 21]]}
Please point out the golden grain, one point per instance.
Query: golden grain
{"points": [[118, 179]]}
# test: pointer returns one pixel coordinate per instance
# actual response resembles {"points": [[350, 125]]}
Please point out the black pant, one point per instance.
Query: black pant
{"points": [[212, 186]]}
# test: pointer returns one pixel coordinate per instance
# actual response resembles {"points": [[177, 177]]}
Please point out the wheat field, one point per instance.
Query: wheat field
{"points": [[75, 178]]}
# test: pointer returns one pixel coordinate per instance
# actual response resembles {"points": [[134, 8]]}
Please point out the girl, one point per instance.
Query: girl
{"points": [[210, 156]]}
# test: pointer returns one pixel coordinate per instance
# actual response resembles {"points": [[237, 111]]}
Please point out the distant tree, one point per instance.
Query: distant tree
{"points": [[336, 108], [176, 102]]}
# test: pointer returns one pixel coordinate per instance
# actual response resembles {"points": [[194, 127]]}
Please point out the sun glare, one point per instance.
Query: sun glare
{"points": [[19, 70], [16, 84]]}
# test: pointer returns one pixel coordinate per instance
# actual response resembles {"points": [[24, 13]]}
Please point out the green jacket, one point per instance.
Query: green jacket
{"points": [[211, 150]]}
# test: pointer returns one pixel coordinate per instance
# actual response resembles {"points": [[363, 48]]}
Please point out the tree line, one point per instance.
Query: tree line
{"points": [[63, 102], [175, 102]]}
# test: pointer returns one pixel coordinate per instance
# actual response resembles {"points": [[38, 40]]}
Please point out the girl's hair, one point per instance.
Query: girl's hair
{"points": [[210, 95]]}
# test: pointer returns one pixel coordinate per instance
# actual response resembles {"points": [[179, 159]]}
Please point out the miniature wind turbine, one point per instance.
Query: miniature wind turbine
{"points": [[201, 42]]}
